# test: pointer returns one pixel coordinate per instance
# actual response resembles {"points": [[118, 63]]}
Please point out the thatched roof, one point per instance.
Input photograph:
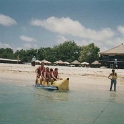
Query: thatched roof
{"points": [[46, 62], [38, 61], [75, 62], [59, 62], [85, 63], [118, 50], [95, 63], [67, 63]]}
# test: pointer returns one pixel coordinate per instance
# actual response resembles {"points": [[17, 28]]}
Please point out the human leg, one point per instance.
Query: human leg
{"points": [[111, 85], [41, 80], [36, 81], [115, 85], [51, 80]]}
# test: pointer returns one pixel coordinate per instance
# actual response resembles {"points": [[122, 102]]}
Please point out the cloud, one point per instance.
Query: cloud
{"points": [[2, 45], [61, 39], [28, 46], [66, 26], [6, 20], [27, 39], [121, 29]]}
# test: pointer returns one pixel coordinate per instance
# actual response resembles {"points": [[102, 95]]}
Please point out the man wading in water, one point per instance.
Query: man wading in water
{"points": [[113, 77]]}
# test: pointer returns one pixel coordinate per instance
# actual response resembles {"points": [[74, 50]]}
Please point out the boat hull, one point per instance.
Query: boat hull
{"points": [[61, 85], [46, 87]]}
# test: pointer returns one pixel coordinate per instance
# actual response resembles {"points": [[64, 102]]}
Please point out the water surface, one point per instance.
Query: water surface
{"points": [[22, 103]]}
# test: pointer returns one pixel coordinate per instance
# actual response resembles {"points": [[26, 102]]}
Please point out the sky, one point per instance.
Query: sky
{"points": [[26, 24]]}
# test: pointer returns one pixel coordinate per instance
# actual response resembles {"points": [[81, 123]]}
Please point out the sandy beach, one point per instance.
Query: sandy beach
{"points": [[77, 75]]}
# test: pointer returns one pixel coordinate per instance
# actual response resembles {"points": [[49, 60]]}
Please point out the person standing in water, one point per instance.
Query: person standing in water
{"points": [[113, 77]]}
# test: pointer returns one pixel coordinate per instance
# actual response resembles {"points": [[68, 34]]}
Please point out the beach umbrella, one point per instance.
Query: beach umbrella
{"points": [[46, 62], [59, 62], [67, 63], [85, 63], [96, 63], [76, 62], [56, 62], [37, 61]]}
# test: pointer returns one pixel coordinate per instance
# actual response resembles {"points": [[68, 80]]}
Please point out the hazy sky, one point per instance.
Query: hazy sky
{"points": [[44, 23]]}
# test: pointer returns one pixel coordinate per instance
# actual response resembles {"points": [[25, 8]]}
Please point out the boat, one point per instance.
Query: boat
{"points": [[46, 87], [61, 85]]}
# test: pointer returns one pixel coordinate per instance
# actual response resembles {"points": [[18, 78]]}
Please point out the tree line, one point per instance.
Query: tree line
{"points": [[67, 51]]}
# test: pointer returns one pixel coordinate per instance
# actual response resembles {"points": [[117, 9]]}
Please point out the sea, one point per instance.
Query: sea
{"points": [[23, 103]]}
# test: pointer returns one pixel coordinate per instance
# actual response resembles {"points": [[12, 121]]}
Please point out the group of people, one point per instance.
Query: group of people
{"points": [[46, 75]]}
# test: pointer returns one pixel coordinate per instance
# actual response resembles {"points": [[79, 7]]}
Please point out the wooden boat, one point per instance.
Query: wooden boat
{"points": [[61, 85]]}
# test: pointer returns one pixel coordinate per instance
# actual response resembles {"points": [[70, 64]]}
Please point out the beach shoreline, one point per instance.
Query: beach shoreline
{"points": [[76, 75], [87, 97]]}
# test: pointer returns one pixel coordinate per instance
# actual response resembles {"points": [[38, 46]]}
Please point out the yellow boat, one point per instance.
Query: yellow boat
{"points": [[61, 85]]}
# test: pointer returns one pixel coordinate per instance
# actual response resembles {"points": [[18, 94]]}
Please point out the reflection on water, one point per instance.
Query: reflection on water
{"points": [[51, 95], [23, 104], [112, 97]]}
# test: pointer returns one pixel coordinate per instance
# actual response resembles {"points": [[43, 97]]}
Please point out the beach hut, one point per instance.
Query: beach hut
{"points": [[13, 61], [107, 58], [60, 62], [96, 64], [85, 64], [76, 63], [67, 63], [46, 62], [37, 62]]}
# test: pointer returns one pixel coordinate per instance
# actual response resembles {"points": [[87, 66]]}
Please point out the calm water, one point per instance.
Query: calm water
{"points": [[25, 104]]}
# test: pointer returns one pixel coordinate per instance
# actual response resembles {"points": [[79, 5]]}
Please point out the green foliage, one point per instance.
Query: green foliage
{"points": [[6, 53], [67, 51], [89, 53]]}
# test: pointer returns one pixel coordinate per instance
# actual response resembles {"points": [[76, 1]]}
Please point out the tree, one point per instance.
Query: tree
{"points": [[89, 53], [68, 51], [6, 53]]}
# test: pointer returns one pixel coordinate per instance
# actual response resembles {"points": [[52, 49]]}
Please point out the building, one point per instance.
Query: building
{"points": [[12, 61], [113, 56]]}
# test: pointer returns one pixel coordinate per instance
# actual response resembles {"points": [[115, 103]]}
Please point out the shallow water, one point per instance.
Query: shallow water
{"points": [[26, 104]]}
